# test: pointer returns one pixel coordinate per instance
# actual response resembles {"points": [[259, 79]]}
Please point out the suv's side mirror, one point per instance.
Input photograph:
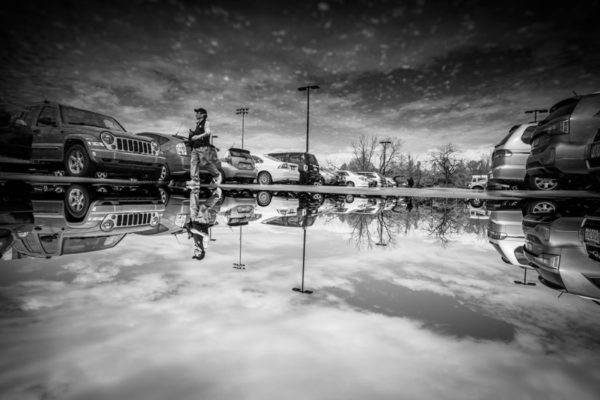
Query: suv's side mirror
{"points": [[526, 136]]}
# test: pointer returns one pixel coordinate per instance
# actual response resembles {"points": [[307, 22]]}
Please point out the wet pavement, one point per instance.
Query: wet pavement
{"points": [[331, 293]]}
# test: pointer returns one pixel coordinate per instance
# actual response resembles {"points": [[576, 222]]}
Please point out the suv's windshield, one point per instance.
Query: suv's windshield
{"points": [[74, 116]]}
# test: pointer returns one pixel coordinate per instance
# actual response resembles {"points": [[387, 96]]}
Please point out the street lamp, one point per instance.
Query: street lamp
{"points": [[242, 111], [384, 143], [239, 264], [307, 89], [535, 113]]}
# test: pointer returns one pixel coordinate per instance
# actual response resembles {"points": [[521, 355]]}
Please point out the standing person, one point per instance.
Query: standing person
{"points": [[411, 182], [203, 153]]}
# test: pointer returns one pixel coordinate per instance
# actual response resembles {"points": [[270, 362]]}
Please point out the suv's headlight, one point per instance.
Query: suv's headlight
{"points": [[108, 224], [154, 148], [107, 138]]}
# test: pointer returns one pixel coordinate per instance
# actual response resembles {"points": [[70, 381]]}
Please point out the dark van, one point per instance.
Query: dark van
{"points": [[308, 166]]}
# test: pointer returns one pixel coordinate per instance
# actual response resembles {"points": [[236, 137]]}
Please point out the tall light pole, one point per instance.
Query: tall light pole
{"points": [[243, 112], [535, 113], [384, 143], [307, 89]]}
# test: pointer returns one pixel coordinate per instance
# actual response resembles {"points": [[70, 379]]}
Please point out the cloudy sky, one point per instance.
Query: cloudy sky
{"points": [[444, 322], [422, 71]]}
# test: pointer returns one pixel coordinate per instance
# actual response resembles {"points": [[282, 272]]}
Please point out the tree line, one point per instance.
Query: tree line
{"points": [[442, 166]]}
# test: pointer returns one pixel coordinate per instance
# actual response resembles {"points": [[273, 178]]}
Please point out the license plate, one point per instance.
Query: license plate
{"points": [[591, 235], [595, 150]]}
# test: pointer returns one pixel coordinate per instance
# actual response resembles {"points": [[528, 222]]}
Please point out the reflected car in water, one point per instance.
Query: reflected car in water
{"points": [[238, 210], [555, 244], [328, 176], [16, 214], [271, 170], [505, 234], [510, 158], [81, 218], [559, 144]]}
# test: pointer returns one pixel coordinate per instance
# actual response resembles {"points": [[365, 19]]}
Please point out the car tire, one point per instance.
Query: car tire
{"points": [[77, 202], [476, 203], [164, 194], [263, 198], [77, 161], [543, 207], [544, 183], [350, 184], [264, 178], [165, 174]]}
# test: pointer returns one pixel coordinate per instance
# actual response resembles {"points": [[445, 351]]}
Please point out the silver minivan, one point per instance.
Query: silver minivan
{"points": [[509, 158]]}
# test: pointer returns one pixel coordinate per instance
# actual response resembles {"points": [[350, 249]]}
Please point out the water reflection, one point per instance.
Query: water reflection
{"points": [[393, 284]]}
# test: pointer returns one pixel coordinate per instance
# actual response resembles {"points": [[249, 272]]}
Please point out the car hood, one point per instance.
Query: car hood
{"points": [[93, 130]]}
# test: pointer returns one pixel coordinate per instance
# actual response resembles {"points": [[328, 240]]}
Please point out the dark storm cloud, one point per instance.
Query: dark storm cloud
{"points": [[462, 70]]}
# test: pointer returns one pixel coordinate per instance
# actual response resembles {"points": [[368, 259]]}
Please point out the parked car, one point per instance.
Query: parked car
{"points": [[391, 183], [375, 178], [237, 165], [510, 157], [270, 170], [349, 178], [328, 176], [308, 166], [478, 182], [16, 138], [558, 145], [177, 153], [86, 143]]}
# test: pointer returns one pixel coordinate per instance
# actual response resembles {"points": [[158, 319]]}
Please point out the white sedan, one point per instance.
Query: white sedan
{"points": [[349, 178], [273, 170]]}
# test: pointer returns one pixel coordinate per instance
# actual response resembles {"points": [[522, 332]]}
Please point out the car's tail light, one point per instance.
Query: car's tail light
{"points": [[556, 128], [283, 166], [181, 149], [496, 235], [547, 260], [502, 153]]}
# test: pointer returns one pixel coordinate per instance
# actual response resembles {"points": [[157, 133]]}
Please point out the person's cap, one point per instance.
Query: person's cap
{"points": [[200, 110], [198, 256]]}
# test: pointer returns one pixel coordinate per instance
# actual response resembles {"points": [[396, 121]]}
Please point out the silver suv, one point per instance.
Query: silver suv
{"points": [[510, 157], [560, 142]]}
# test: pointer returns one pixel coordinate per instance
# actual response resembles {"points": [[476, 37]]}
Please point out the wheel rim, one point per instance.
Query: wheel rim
{"points": [[163, 173], [163, 195], [263, 197], [76, 161], [350, 184], [76, 200], [543, 207], [545, 183], [263, 179], [101, 175]]}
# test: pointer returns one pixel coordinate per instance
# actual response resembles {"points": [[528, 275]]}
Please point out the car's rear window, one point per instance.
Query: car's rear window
{"points": [[505, 138], [311, 159], [240, 153], [562, 109]]}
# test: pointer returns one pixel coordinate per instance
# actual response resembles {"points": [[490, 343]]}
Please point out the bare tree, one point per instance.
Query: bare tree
{"points": [[445, 160], [391, 155], [364, 151]]}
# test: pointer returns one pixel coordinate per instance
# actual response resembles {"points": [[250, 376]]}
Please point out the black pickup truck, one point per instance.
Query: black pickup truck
{"points": [[85, 143]]}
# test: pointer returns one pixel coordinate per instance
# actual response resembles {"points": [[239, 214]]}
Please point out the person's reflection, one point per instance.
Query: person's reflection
{"points": [[202, 217]]}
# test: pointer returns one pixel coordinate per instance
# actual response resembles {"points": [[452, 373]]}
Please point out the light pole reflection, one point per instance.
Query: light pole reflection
{"points": [[239, 264], [301, 288], [524, 281]]}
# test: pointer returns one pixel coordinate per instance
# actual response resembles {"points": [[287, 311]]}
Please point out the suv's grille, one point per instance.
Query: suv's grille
{"points": [[134, 219], [134, 146]]}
